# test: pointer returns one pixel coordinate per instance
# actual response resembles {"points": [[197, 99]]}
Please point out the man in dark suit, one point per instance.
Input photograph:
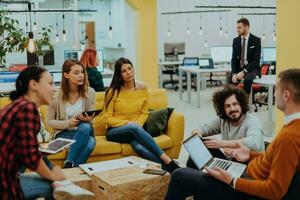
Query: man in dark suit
{"points": [[245, 61]]}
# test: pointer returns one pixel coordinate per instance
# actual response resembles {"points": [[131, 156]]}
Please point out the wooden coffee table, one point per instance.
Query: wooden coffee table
{"points": [[130, 184]]}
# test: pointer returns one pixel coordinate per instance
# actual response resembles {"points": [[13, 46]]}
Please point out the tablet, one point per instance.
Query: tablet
{"points": [[91, 112], [56, 145]]}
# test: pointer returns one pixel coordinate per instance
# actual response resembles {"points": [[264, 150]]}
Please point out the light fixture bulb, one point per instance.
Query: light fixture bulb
{"points": [[188, 31], [205, 43], [57, 38], [221, 31], [110, 33], [64, 36], [226, 34], [82, 46], [31, 44], [34, 26], [168, 33], [274, 37], [200, 31], [264, 36]]}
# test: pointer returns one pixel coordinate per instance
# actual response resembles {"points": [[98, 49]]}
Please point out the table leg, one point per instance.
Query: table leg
{"points": [[198, 89], [270, 111], [160, 76], [203, 81], [180, 84], [189, 84]]}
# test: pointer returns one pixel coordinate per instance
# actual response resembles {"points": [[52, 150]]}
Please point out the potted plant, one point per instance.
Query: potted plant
{"points": [[43, 43], [12, 37]]}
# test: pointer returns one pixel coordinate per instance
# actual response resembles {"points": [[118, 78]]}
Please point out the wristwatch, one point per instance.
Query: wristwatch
{"points": [[245, 71]]}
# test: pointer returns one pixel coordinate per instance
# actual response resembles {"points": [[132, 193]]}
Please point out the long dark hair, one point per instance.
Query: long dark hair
{"points": [[220, 96], [22, 82], [65, 86], [117, 81]]}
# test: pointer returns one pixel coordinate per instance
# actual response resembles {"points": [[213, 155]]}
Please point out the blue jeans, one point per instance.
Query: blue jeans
{"points": [[34, 186], [141, 142], [80, 151]]}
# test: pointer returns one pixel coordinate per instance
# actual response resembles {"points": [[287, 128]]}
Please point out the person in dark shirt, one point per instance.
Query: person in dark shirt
{"points": [[19, 126], [90, 61]]}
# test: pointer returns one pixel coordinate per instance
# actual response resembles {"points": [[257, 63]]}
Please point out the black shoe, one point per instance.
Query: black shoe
{"points": [[68, 164], [172, 166]]}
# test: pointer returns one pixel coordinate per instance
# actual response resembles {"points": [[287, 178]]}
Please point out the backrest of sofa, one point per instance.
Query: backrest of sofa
{"points": [[157, 100]]}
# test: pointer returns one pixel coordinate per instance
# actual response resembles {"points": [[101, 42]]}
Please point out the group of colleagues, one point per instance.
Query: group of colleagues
{"points": [[269, 174]]}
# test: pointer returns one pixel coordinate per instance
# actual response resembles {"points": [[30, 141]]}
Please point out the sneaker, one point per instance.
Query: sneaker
{"points": [[172, 166], [68, 190], [68, 164]]}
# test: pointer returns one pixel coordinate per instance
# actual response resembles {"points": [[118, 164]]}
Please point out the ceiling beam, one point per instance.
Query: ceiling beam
{"points": [[193, 11], [239, 7]]}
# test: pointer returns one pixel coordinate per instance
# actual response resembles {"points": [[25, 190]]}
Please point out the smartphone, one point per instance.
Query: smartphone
{"points": [[91, 112], [155, 171]]}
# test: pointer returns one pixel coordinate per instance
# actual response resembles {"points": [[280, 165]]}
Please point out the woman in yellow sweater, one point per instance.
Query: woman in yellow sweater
{"points": [[126, 110]]}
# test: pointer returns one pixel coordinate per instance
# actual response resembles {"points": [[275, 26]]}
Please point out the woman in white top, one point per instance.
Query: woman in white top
{"points": [[65, 116]]}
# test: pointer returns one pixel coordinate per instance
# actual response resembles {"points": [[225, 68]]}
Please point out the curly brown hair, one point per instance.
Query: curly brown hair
{"points": [[220, 96]]}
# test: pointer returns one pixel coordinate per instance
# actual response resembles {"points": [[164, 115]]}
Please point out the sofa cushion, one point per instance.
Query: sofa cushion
{"points": [[163, 141], [157, 121], [105, 147]]}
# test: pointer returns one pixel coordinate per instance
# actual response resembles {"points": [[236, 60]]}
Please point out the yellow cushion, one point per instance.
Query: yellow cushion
{"points": [[105, 147], [163, 141], [4, 101]]}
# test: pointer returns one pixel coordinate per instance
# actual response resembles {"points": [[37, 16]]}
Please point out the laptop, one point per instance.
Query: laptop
{"points": [[203, 158]]}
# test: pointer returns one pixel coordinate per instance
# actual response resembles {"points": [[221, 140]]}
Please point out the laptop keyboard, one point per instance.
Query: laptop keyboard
{"points": [[223, 164]]}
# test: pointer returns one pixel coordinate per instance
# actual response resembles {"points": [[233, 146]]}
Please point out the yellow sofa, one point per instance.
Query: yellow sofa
{"points": [[170, 142]]}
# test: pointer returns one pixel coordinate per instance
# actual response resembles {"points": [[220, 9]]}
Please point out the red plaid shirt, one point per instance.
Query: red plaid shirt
{"points": [[19, 126]]}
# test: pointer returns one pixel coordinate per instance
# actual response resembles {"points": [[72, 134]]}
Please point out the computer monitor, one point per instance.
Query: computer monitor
{"points": [[206, 63], [48, 56], [190, 61], [76, 54], [221, 53], [269, 54], [174, 48]]}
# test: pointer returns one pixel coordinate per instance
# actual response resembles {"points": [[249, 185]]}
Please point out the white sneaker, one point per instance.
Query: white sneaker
{"points": [[68, 190]]}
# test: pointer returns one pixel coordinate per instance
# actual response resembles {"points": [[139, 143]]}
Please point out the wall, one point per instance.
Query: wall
{"points": [[287, 43], [146, 41], [210, 24]]}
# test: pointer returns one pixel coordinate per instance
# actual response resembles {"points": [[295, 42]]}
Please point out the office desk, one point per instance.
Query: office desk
{"points": [[269, 81], [200, 78], [164, 66]]}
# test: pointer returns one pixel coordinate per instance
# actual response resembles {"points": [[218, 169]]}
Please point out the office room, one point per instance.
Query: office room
{"points": [[149, 99]]}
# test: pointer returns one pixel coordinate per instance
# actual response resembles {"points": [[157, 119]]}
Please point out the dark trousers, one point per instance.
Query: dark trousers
{"points": [[248, 80], [187, 182]]}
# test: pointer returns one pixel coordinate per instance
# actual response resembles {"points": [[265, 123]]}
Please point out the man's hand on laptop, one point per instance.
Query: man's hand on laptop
{"points": [[197, 132], [213, 143], [241, 153], [219, 174]]}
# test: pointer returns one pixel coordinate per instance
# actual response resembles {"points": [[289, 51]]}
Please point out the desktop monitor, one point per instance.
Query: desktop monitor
{"points": [[221, 53], [76, 54], [206, 63], [269, 54], [190, 61], [32, 58], [174, 48]]}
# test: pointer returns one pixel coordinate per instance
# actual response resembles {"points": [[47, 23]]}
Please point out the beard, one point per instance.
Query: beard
{"points": [[234, 119]]}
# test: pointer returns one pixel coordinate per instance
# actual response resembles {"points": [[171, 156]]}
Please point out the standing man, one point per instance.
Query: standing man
{"points": [[246, 50], [270, 175]]}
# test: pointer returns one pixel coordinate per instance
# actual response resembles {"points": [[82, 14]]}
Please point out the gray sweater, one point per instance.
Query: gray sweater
{"points": [[250, 129]]}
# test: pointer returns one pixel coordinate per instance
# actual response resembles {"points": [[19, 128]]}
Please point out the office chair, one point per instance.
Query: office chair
{"points": [[189, 62], [171, 70], [258, 88], [211, 80]]}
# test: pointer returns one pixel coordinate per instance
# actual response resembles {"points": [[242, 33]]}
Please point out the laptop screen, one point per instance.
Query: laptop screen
{"points": [[197, 151]]}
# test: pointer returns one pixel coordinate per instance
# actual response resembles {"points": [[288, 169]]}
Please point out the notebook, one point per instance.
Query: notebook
{"points": [[56, 145], [203, 158]]}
